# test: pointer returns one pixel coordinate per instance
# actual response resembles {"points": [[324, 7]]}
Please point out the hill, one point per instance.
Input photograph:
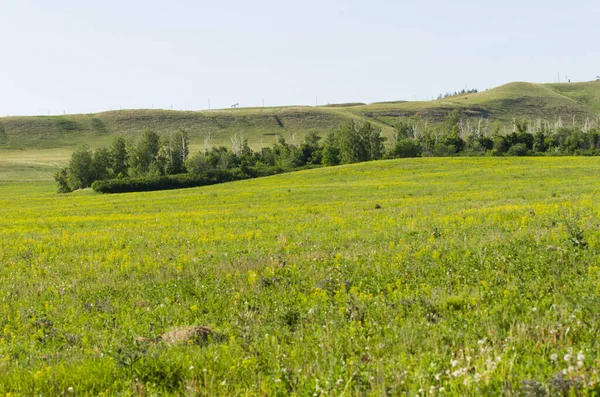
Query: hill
{"points": [[262, 125]]}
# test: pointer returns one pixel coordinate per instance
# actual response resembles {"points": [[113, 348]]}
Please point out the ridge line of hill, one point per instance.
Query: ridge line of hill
{"points": [[262, 126]]}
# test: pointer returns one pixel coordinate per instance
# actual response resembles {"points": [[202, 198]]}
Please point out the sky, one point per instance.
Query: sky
{"points": [[73, 56]]}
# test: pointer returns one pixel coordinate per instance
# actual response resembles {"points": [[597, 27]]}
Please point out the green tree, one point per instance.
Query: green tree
{"points": [[62, 178], [539, 142], [177, 151], [145, 154], [81, 168], [331, 151], [404, 130], [119, 157], [405, 148], [359, 142], [311, 150], [101, 164], [518, 149]]}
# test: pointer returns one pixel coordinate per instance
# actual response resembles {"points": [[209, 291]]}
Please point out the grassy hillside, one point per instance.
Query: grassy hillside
{"points": [[520, 100], [261, 125], [454, 276]]}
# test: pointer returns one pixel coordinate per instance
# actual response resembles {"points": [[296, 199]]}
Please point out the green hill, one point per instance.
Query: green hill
{"points": [[262, 125]]}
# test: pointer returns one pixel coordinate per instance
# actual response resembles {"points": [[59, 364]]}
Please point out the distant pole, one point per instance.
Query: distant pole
{"points": [[316, 101], [558, 77], [208, 103], [263, 102]]}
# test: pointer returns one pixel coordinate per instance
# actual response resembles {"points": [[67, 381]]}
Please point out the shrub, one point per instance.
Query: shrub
{"points": [[407, 148], [518, 149], [61, 177], [179, 181]]}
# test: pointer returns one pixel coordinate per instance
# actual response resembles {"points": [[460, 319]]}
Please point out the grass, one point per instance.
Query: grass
{"points": [[261, 125], [32, 165], [468, 275]]}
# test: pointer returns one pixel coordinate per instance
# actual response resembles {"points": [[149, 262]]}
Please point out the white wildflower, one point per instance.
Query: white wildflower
{"points": [[567, 357], [554, 357]]}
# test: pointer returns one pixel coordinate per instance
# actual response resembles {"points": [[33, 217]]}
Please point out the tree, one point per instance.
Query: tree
{"points": [[331, 151], [404, 130], [81, 168], [62, 178], [145, 154], [197, 164], [359, 142], [177, 152], [311, 150], [518, 149], [539, 142], [101, 164], [500, 144], [406, 148], [119, 157]]}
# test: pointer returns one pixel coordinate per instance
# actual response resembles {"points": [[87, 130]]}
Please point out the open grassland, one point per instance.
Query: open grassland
{"points": [[32, 165], [463, 276], [569, 102]]}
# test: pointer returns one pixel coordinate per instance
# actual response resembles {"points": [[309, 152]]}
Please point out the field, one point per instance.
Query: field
{"points": [[568, 101], [447, 276]]}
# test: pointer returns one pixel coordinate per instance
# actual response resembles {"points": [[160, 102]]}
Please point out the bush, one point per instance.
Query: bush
{"points": [[406, 148], [179, 181], [518, 149], [61, 177], [166, 182]]}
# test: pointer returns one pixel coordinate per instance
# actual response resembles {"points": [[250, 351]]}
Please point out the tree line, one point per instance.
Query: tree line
{"points": [[155, 161]]}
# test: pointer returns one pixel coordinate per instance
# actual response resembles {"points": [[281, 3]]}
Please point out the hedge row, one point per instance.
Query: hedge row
{"points": [[167, 182]]}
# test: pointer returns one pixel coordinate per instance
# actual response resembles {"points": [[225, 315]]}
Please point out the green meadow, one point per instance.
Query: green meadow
{"points": [[430, 276]]}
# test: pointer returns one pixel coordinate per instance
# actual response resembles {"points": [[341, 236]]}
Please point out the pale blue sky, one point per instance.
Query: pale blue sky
{"points": [[83, 56]]}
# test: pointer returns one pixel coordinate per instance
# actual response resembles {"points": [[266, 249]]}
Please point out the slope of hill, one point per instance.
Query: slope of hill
{"points": [[262, 125]]}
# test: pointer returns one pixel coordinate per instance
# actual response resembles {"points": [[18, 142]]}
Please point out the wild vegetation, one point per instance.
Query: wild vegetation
{"points": [[144, 165], [431, 276]]}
